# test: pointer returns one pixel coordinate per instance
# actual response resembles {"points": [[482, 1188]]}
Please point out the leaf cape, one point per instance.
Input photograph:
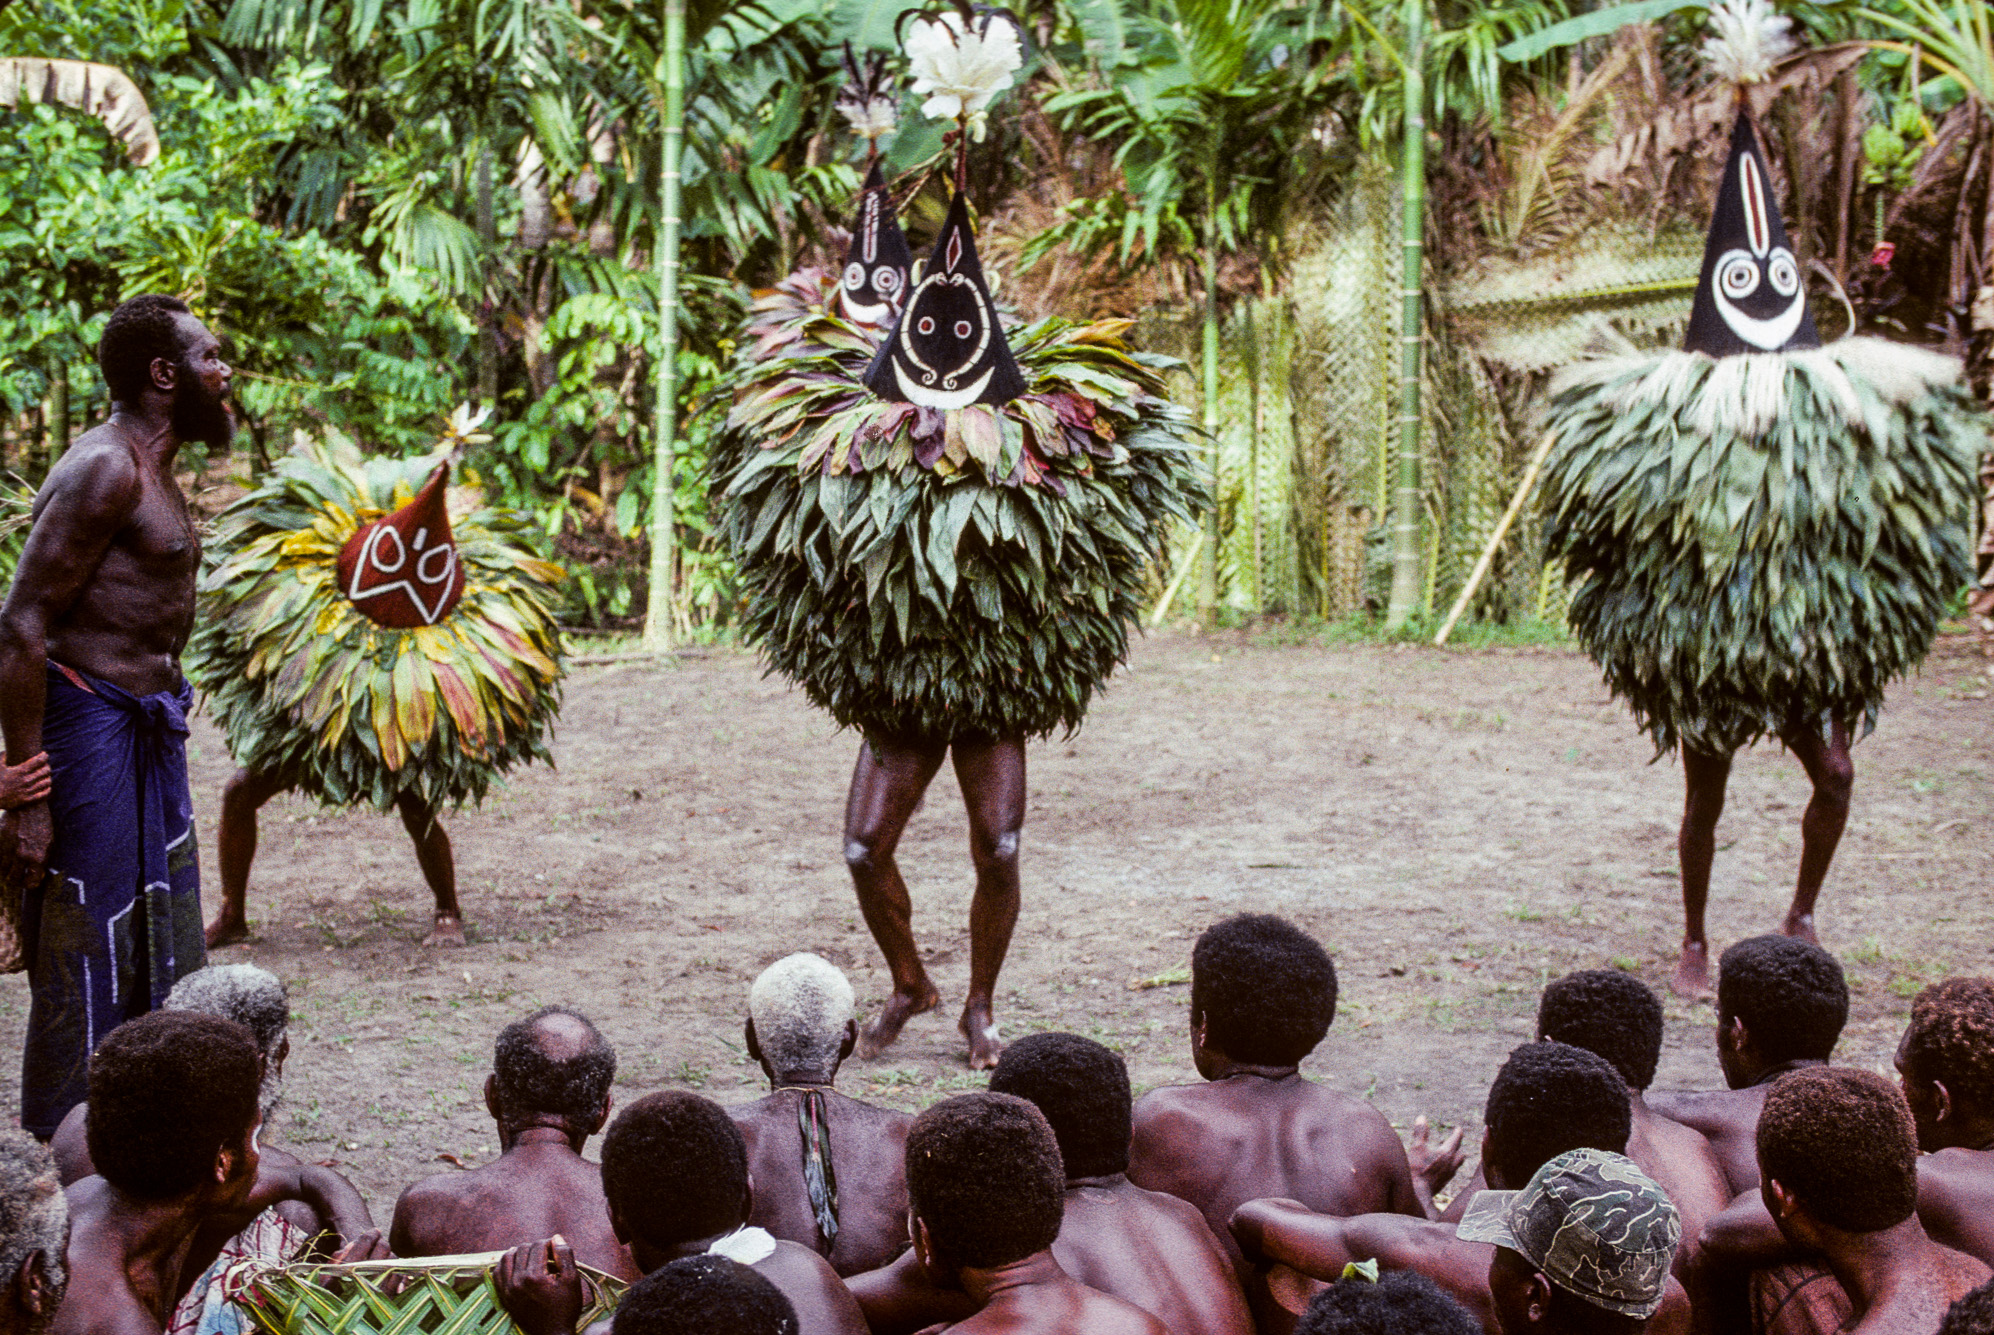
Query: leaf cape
{"points": [[1761, 541], [305, 685], [926, 575]]}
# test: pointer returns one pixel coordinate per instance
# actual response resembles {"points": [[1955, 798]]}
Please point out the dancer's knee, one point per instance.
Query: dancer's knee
{"points": [[996, 852], [866, 853], [1835, 776]]}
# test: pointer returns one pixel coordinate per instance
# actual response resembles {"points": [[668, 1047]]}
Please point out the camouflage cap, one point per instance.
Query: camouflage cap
{"points": [[1593, 1222]]}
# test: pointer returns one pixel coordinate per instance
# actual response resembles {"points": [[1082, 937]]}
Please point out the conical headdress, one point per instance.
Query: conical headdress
{"points": [[1750, 297], [402, 570], [879, 261], [948, 350]]}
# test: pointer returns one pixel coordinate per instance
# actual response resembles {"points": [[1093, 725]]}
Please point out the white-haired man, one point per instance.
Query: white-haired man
{"points": [[828, 1170], [34, 1236]]}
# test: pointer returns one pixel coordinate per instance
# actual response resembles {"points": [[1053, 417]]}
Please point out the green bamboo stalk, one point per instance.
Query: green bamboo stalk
{"points": [[1407, 590], [1208, 587], [660, 613], [487, 315]]}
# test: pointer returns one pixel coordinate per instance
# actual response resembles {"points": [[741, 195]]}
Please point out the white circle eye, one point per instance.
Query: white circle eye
{"points": [[1783, 273], [925, 325], [1737, 275], [962, 329], [854, 276], [886, 281]]}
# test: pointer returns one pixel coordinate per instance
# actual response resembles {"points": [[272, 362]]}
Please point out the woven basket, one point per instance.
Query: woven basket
{"points": [[435, 1295]]}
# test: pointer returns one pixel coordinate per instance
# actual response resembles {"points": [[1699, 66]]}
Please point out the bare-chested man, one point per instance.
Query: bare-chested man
{"points": [[1781, 1005], [887, 785], [829, 1171], [1548, 1098], [675, 1173], [34, 1236], [173, 1134], [548, 1092], [90, 640], [1263, 994], [1946, 1064], [1143, 1247]]}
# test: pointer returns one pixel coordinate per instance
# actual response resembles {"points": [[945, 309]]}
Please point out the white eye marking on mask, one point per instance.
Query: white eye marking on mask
{"points": [[1783, 272], [1737, 275]]}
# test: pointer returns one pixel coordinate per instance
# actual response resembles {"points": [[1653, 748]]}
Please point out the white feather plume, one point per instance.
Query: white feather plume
{"points": [[1747, 39]]}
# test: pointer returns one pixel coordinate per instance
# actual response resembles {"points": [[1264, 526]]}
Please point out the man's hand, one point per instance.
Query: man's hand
{"points": [[539, 1287], [25, 835], [1432, 1168], [369, 1246], [29, 781]]}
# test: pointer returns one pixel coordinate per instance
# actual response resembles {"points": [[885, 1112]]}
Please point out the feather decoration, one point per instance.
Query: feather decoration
{"points": [[866, 99], [1747, 39]]}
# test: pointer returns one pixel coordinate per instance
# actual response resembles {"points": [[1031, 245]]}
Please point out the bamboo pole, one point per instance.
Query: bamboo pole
{"points": [[1406, 586], [660, 612], [1482, 565]]}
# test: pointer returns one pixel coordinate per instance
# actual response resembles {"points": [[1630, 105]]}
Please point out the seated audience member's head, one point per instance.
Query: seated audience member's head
{"points": [[1838, 1155], [704, 1295], [674, 1171], [1583, 1249], [1549, 1098], [1083, 1090], [1971, 1314], [173, 1107], [1612, 1014], [254, 998], [551, 1069], [800, 1023], [1947, 1063], [1263, 993], [1779, 1000], [984, 1184], [34, 1235], [1401, 1302]]}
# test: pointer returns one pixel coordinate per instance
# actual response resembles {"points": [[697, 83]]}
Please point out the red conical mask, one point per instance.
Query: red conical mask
{"points": [[402, 570]]}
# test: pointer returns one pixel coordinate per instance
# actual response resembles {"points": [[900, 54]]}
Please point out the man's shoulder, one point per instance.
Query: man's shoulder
{"points": [[99, 460], [1169, 1100], [451, 1188]]}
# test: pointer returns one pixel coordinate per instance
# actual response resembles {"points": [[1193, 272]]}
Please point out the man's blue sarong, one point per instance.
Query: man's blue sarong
{"points": [[117, 920]]}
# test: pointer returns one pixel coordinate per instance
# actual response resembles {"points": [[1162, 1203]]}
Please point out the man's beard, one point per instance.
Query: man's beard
{"points": [[199, 415]]}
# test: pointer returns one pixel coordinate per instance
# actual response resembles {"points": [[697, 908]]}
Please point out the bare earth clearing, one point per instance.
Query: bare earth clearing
{"points": [[1458, 827]]}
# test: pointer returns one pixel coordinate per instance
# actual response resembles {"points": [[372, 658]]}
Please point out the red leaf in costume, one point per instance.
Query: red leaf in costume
{"points": [[402, 570]]}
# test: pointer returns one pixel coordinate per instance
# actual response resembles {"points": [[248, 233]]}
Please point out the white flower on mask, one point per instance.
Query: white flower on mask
{"points": [[960, 68]]}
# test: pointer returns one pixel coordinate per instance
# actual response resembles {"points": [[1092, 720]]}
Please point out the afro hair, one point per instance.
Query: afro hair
{"points": [[1402, 1302], [801, 1006], [1083, 1090], [1951, 1038], [1973, 1314], [704, 1295], [1265, 989], [554, 1063], [168, 1092], [1612, 1014], [34, 1214], [1549, 1098], [675, 1169], [1790, 993], [1842, 1141], [139, 332], [984, 1176]]}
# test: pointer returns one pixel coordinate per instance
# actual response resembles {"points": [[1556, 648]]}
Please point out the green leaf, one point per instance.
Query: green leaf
{"points": [[1597, 23]]}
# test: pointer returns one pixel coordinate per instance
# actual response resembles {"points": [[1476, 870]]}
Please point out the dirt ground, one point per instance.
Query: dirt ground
{"points": [[1458, 827]]}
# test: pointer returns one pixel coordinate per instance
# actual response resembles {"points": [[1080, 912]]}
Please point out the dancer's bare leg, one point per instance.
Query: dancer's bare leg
{"points": [[992, 775], [244, 795], [1704, 778], [439, 868], [887, 784], [1833, 773]]}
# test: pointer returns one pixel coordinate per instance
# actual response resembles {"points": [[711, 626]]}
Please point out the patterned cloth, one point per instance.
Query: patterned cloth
{"points": [[1802, 1298], [117, 920], [820, 1178], [1593, 1222], [205, 1309]]}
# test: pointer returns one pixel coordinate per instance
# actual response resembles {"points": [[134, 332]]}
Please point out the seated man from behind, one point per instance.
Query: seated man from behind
{"points": [[1141, 1246], [1781, 1005], [173, 1117], [675, 1173], [1946, 1063], [34, 1235], [548, 1092], [1263, 994], [829, 1171], [1401, 1302], [1839, 1154], [1547, 1099], [704, 1295], [1583, 1249]]}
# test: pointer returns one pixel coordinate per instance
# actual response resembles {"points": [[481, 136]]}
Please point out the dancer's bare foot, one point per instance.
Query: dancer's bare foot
{"points": [[448, 931], [900, 1007], [981, 1031], [1800, 925], [228, 928], [1691, 980]]}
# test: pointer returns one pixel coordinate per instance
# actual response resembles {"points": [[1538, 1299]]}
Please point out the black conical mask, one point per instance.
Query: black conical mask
{"points": [[1750, 297], [879, 261], [947, 350]]}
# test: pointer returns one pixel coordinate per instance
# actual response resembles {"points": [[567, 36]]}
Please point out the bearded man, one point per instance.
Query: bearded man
{"points": [[90, 642]]}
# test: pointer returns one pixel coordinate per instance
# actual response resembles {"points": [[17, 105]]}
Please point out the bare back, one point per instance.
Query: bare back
{"points": [[867, 1155], [823, 1305], [1221, 1144], [1728, 1119], [1152, 1250], [1061, 1306], [111, 1291], [532, 1192], [1956, 1200], [1917, 1303], [1686, 1168]]}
